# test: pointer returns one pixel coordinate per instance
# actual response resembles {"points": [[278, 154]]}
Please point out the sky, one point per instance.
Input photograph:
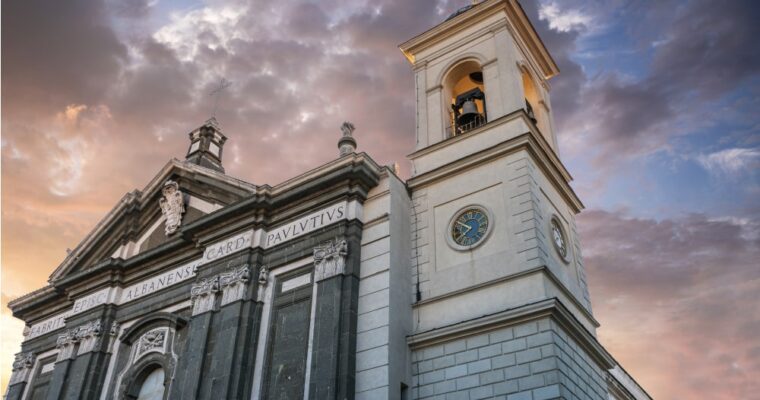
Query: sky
{"points": [[656, 109]]}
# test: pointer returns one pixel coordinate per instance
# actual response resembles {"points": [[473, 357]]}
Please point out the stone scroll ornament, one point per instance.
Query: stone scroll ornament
{"points": [[172, 206], [330, 259], [22, 367]]}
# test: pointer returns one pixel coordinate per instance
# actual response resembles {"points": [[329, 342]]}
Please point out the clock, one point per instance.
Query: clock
{"points": [[558, 237], [469, 227]]}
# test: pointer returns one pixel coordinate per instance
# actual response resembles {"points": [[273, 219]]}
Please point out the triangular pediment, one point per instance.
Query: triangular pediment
{"points": [[137, 224]]}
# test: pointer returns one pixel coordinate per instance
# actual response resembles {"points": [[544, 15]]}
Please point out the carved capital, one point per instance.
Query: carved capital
{"points": [[88, 336], [233, 284], [66, 344], [22, 368], [203, 295], [330, 259]]}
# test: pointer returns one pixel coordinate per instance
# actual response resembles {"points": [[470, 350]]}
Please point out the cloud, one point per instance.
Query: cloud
{"points": [[730, 162], [692, 284], [705, 53], [84, 103], [563, 20], [56, 53]]}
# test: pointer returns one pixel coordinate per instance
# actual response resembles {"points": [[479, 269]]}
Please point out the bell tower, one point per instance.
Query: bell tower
{"points": [[206, 145], [494, 213]]}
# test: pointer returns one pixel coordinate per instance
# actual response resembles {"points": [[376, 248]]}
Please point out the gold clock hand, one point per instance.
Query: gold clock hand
{"points": [[469, 228]]}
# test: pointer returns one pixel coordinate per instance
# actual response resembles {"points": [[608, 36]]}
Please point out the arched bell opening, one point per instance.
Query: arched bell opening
{"points": [[465, 98], [532, 98]]}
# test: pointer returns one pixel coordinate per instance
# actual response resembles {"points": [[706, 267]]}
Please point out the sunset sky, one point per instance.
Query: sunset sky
{"points": [[656, 106]]}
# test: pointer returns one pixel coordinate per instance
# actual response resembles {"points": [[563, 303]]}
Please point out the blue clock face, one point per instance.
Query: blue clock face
{"points": [[469, 227]]}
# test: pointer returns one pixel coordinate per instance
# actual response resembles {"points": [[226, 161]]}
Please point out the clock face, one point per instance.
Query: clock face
{"points": [[559, 239], [469, 227]]}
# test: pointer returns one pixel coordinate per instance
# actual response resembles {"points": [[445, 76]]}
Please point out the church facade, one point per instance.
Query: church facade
{"points": [[465, 281]]}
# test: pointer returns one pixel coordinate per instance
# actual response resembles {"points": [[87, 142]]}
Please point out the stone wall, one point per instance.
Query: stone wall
{"points": [[534, 360], [384, 319]]}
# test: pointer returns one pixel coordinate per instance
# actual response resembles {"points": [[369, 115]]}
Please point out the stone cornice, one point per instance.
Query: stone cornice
{"points": [[350, 169], [519, 23], [349, 177], [139, 199], [551, 308], [537, 270], [532, 141]]}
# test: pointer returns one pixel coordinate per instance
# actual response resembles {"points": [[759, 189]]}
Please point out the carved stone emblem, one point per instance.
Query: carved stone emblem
{"points": [[172, 206], [153, 340], [22, 366], [330, 260], [203, 295]]}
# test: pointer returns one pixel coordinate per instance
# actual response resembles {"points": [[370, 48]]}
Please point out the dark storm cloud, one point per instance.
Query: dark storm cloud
{"points": [[710, 48], [702, 50], [56, 53], [693, 282]]}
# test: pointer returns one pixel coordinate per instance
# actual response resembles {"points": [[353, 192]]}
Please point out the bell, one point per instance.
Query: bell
{"points": [[469, 113]]}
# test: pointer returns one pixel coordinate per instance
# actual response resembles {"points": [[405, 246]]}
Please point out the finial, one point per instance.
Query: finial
{"points": [[347, 143]]}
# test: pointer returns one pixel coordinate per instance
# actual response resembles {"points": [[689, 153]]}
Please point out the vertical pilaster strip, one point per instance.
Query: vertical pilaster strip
{"points": [[233, 350], [21, 375], [66, 344], [334, 341], [190, 366]]}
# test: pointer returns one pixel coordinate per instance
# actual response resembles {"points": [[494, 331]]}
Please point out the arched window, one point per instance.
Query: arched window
{"points": [[152, 387], [465, 98], [532, 97]]}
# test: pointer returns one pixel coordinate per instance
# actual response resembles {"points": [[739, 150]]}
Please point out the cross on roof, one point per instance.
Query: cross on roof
{"points": [[217, 92]]}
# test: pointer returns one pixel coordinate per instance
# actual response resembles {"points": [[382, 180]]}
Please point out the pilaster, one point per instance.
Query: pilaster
{"points": [[333, 357], [22, 373]]}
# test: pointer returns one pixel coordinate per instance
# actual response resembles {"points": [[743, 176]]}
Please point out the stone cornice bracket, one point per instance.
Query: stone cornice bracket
{"points": [[88, 336], [66, 343], [330, 260], [234, 283], [203, 295], [22, 368]]}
